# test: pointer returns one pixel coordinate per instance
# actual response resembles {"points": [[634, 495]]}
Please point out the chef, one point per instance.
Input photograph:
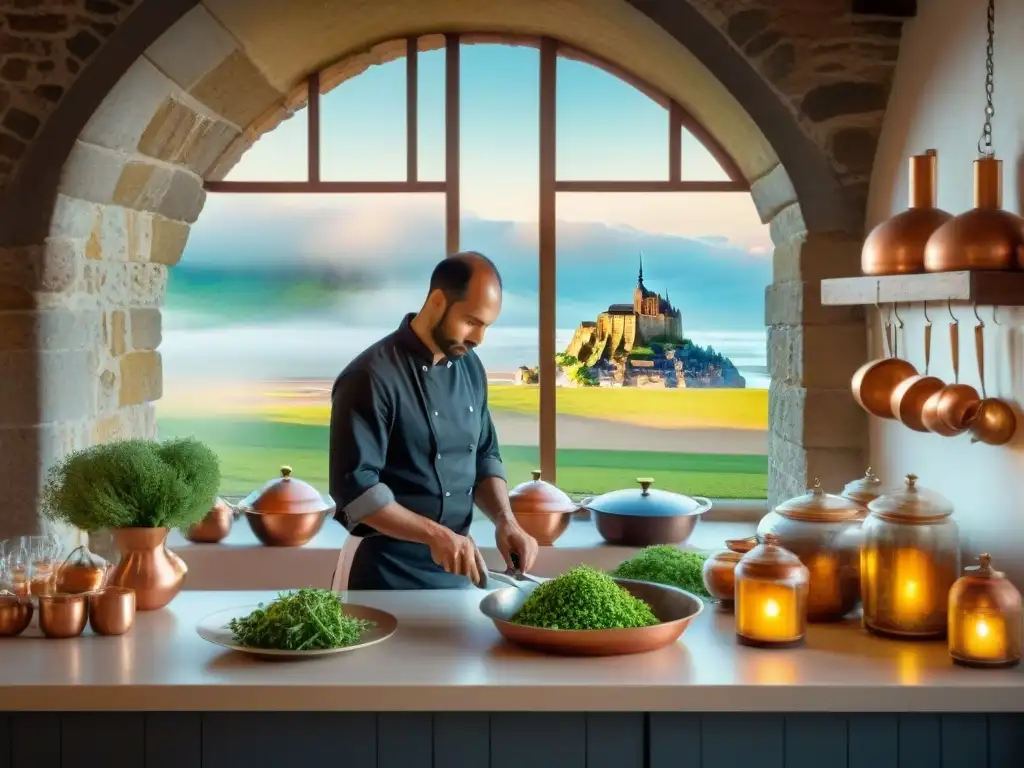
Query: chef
{"points": [[413, 447]]}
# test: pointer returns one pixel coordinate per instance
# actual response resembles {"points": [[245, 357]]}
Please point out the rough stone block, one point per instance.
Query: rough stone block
{"points": [[146, 329], [772, 193], [792, 468], [147, 284], [40, 387], [817, 418], [787, 223], [141, 378], [169, 239], [51, 330], [53, 267], [120, 234], [129, 107], [236, 90], [118, 340], [799, 303], [193, 47], [813, 256], [180, 134], [816, 356], [74, 218]]}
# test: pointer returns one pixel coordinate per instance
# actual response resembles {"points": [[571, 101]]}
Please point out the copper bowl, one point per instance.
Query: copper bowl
{"points": [[214, 527], [112, 610], [62, 616], [286, 529], [15, 615], [674, 608]]}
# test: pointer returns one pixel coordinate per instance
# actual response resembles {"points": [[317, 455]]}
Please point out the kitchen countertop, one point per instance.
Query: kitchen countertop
{"points": [[446, 656]]}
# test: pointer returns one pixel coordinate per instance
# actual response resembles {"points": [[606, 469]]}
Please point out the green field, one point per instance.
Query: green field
{"points": [[251, 449]]}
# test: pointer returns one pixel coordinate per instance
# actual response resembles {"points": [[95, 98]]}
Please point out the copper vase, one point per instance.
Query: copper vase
{"points": [[147, 567]]}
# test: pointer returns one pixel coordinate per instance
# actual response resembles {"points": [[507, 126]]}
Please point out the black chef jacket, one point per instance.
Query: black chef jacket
{"points": [[404, 429]]}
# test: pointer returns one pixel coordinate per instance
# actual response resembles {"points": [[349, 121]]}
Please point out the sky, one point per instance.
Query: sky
{"points": [[606, 130]]}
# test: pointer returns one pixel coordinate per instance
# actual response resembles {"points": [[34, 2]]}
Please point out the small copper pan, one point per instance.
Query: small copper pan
{"points": [[909, 397], [994, 421], [874, 382], [949, 411]]}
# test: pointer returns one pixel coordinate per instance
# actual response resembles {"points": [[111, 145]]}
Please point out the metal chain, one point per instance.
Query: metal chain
{"points": [[985, 142]]}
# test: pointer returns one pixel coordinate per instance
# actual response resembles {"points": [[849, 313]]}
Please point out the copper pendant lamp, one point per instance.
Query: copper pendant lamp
{"points": [[985, 237], [896, 246]]}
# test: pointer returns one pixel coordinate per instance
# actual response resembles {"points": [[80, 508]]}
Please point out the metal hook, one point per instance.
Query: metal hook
{"points": [[981, 323], [927, 320], [949, 308], [995, 316], [896, 313]]}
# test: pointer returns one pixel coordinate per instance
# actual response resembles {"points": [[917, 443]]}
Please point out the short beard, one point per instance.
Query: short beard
{"points": [[448, 346]]}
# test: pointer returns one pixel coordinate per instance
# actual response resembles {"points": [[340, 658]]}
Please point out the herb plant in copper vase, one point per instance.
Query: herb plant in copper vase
{"points": [[139, 490]]}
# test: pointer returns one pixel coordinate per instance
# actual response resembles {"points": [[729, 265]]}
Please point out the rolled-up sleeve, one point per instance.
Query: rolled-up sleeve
{"points": [[358, 448], [488, 454]]}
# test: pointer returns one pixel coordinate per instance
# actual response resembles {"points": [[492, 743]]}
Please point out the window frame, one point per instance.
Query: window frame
{"points": [[550, 185]]}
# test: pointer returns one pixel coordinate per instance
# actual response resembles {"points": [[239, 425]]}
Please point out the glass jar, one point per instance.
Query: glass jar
{"points": [[910, 557], [823, 530], [863, 491], [771, 597], [984, 618]]}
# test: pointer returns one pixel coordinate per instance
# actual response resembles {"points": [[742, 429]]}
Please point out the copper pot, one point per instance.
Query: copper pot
{"points": [[147, 567], [15, 614], [863, 491], [82, 571], [214, 527], [993, 421], [286, 512], [896, 246], [719, 569], [948, 411], [112, 611], [909, 397], [985, 237], [645, 516], [542, 510], [62, 616], [875, 381]]}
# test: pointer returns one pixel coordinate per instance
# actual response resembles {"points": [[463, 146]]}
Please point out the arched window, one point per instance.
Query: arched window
{"points": [[563, 170]]}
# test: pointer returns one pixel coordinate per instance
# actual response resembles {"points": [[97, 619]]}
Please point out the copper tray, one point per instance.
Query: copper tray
{"points": [[674, 607]]}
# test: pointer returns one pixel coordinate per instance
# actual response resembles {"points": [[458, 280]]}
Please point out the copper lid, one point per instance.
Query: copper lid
{"points": [[287, 494], [911, 504], [982, 588], [539, 496], [770, 562], [863, 490], [818, 506], [735, 549]]}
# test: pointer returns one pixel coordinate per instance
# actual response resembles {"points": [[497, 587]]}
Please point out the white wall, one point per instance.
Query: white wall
{"points": [[937, 102]]}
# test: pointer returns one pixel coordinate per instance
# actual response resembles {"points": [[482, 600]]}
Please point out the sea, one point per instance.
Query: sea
{"points": [[318, 350]]}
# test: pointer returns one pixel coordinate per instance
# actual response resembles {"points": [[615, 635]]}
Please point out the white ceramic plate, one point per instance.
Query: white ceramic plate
{"points": [[214, 629]]}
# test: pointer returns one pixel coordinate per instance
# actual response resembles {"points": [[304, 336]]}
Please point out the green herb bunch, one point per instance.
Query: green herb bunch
{"points": [[583, 598], [665, 564], [304, 620], [133, 484]]}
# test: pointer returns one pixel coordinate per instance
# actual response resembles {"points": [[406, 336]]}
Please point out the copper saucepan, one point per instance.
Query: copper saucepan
{"points": [[948, 412], [993, 422], [874, 382], [911, 394]]}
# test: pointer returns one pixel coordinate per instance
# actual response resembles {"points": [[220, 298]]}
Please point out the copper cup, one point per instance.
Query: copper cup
{"points": [[63, 615], [15, 615], [112, 610]]}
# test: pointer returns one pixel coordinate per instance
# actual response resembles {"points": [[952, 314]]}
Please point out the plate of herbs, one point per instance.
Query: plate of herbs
{"points": [[298, 624]]}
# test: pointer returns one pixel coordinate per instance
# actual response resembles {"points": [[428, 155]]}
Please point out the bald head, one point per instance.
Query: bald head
{"points": [[464, 299]]}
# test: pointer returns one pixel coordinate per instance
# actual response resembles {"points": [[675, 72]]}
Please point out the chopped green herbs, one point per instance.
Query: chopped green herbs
{"points": [[584, 598], [664, 564], [305, 620]]}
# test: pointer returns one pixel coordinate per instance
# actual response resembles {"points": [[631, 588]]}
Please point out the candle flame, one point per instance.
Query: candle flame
{"points": [[771, 608], [910, 588], [981, 628]]}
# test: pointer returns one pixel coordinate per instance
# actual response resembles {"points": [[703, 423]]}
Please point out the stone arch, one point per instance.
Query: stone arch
{"points": [[110, 208]]}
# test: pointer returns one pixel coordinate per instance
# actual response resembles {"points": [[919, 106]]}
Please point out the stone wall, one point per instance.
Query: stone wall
{"points": [[79, 309]]}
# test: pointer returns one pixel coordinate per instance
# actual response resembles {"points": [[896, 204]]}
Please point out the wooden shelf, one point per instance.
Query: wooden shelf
{"points": [[983, 287]]}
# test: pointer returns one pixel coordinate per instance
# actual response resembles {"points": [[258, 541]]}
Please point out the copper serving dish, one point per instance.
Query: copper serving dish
{"points": [[63, 616], [214, 527], [720, 569], [286, 512], [15, 614], [542, 510], [674, 608], [645, 516], [896, 246]]}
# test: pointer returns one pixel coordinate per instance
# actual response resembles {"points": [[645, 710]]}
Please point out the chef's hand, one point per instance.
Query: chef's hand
{"points": [[513, 540], [457, 554]]}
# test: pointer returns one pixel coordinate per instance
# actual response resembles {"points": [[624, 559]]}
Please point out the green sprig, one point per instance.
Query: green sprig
{"points": [[304, 620], [584, 598], [665, 564]]}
